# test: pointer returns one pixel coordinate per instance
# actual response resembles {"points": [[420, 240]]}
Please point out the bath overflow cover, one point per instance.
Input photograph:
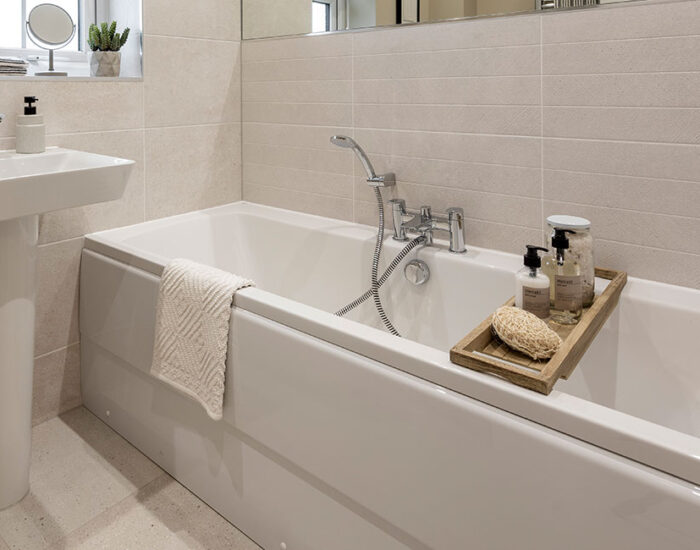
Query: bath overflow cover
{"points": [[417, 272]]}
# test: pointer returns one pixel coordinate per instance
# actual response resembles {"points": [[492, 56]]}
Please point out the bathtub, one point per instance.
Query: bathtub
{"points": [[337, 435]]}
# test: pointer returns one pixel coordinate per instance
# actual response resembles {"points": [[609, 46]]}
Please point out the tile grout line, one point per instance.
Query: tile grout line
{"points": [[352, 117], [62, 348], [143, 153], [240, 107], [542, 141]]}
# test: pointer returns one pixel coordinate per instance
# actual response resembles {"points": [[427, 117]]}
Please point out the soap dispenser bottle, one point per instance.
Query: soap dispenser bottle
{"points": [[565, 279], [531, 285], [31, 132]]}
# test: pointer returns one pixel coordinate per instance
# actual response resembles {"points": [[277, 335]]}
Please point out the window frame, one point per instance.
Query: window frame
{"points": [[331, 14]]}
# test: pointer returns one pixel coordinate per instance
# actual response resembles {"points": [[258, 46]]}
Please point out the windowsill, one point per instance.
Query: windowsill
{"points": [[72, 78], [76, 64]]}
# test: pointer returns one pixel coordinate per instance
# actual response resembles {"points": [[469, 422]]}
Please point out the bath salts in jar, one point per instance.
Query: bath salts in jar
{"points": [[580, 250]]}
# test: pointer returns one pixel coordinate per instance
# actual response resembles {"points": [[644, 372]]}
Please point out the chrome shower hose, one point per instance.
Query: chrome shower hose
{"points": [[376, 281]]}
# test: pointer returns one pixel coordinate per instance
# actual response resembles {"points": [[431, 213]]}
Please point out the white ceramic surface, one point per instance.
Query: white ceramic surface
{"points": [[328, 400], [31, 185], [58, 179]]}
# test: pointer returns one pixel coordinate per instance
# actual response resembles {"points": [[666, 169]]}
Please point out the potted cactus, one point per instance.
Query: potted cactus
{"points": [[105, 43]]}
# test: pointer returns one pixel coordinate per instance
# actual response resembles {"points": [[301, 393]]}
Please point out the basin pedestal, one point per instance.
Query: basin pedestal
{"points": [[31, 185], [18, 253]]}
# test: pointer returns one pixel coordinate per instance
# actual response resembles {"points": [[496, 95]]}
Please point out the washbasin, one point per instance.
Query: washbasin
{"points": [[31, 185], [58, 179]]}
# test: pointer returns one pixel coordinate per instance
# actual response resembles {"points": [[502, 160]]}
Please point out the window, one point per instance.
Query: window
{"points": [[321, 17], [324, 15], [13, 30]]}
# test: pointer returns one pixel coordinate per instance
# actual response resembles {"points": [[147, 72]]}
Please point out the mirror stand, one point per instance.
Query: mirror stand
{"points": [[51, 71]]}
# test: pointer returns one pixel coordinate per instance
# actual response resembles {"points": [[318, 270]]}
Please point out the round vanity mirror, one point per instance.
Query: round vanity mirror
{"points": [[50, 27]]}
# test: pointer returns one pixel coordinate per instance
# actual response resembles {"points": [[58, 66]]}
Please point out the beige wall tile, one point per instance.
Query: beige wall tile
{"points": [[320, 205], [487, 149], [191, 81], [623, 56], [519, 60], [672, 197], [313, 68], [506, 120], [75, 106], [497, 90], [624, 124], [301, 158], [662, 161], [615, 22], [56, 383], [623, 90], [480, 33], [329, 45], [189, 168], [312, 114], [307, 91], [307, 137], [493, 178], [308, 181], [650, 263], [58, 268], [662, 231], [76, 222], [215, 19]]}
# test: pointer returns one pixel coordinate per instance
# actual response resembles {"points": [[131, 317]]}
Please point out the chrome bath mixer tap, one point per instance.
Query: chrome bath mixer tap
{"points": [[424, 222]]}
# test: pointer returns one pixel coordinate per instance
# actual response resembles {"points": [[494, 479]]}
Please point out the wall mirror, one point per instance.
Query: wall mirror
{"points": [[41, 38], [268, 18]]}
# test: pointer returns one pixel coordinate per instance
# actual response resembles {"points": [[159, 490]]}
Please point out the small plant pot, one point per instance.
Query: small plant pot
{"points": [[105, 63]]}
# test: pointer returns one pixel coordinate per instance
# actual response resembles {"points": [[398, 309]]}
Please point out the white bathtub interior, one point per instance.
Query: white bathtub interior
{"points": [[643, 363]]}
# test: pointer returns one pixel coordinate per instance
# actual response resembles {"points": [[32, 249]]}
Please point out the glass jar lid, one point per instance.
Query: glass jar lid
{"points": [[569, 222]]}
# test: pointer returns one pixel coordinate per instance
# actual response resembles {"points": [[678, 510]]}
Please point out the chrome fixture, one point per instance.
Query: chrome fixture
{"points": [[383, 180], [563, 4], [423, 222], [2, 117], [376, 182], [417, 272]]}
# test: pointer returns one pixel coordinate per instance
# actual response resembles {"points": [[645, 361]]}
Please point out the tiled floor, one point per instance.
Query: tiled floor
{"points": [[90, 489]]}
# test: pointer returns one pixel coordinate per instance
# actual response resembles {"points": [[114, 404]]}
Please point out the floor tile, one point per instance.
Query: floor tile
{"points": [[80, 468], [162, 516]]}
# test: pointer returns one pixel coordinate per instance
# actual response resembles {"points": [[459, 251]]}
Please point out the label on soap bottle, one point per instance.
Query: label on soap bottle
{"points": [[536, 301], [568, 293]]}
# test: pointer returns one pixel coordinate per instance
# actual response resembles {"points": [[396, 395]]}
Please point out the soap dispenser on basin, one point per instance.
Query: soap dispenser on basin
{"points": [[31, 132]]}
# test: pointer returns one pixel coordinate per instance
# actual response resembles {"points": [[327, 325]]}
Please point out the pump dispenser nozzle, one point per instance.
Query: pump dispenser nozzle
{"points": [[559, 240], [30, 108], [532, 258]]}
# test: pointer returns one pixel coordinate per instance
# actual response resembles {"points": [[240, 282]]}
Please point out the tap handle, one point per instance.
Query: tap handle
{"points": [[398, 205], [455, 217], [398, 211], [455, 214], [426, 213]]}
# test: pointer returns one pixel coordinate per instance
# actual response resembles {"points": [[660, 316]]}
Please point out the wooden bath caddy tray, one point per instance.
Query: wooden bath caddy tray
{"points": [[481, 351]]}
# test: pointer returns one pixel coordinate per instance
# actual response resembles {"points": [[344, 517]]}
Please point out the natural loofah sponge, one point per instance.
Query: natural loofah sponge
{"points": [[525, 332]]}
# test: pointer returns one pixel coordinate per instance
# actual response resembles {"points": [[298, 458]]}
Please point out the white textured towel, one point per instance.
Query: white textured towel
{"points": [[192, 330]]}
